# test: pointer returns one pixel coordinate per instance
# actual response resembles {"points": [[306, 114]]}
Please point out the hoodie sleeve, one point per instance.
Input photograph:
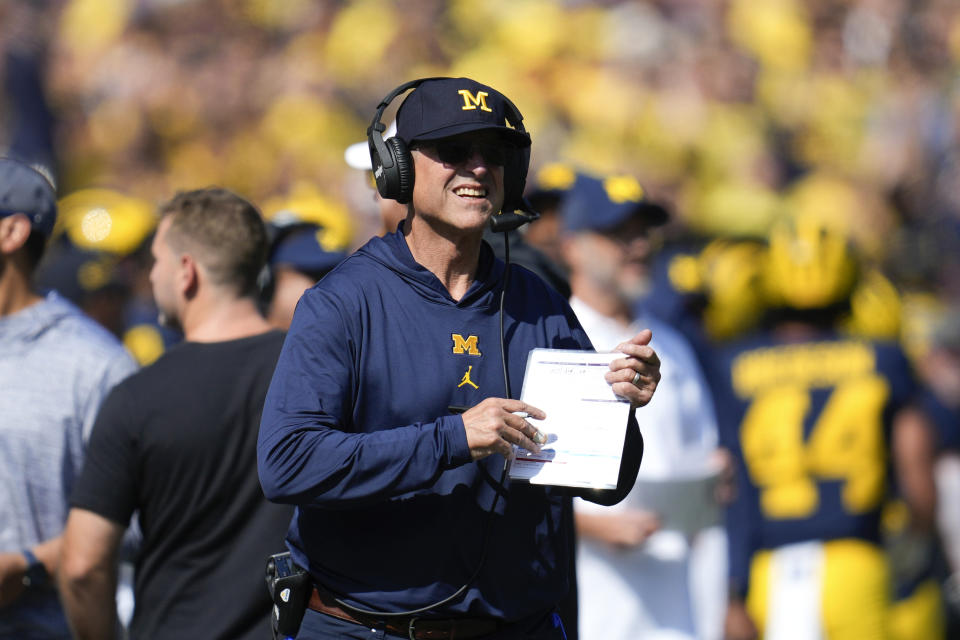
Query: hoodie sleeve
{"points": [[308, 451]]}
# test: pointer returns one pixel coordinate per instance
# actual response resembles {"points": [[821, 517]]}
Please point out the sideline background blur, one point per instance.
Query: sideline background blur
{"points": [[719, 106], [731, 111]]}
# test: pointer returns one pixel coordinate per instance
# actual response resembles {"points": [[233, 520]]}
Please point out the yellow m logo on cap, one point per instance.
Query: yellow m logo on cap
{"points": [[622, 189], [471, 102], [465, 346]]}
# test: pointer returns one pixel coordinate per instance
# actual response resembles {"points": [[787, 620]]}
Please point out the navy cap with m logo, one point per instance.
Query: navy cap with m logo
{"points": [[447, 107]]}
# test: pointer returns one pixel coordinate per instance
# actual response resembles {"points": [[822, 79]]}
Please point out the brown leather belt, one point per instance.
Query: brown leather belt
{"points": [[412, 627]]}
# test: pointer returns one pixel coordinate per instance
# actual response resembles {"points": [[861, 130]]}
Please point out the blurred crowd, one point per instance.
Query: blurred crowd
{"points": [[729, 110], [734, 113]]}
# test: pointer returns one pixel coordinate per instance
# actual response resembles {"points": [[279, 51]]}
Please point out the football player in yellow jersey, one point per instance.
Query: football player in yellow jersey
{"points": [[878, 311], [821, 424]]}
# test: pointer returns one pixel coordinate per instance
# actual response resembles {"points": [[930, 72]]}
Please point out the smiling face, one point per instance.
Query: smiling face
{"points": [[459, 180]]}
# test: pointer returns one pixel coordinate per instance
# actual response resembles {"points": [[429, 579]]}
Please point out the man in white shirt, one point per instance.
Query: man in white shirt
{"points": [[635, 559]]}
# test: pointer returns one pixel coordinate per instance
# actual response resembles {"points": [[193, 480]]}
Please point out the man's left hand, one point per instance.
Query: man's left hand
{"points": [[635, 377]]}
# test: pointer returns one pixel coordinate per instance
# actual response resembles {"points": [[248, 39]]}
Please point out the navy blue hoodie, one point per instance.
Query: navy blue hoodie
{"points": [[357, 431]]}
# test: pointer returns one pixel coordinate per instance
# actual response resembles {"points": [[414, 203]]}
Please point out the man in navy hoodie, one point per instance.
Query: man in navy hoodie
{"points": [[387, 421]]}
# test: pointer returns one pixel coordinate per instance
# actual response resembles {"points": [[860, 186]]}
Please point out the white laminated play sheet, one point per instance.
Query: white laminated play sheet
{"points": [[585, 425]]}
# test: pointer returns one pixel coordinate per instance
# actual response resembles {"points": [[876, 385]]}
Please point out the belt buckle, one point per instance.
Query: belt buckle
{"points": [[411, 632]]}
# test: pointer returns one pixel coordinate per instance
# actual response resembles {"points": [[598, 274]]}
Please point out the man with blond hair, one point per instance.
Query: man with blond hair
{"points": [[176, 443]]}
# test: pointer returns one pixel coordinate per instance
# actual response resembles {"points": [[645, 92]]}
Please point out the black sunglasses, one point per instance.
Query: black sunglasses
{"points": [[458, 152]]}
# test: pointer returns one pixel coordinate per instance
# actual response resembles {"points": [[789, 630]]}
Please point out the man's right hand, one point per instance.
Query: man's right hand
{"points": [[492, 427], [620, 529]]}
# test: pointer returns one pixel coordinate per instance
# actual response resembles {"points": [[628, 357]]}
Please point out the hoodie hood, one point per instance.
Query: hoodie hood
{"points": [[392, 252], [30, 323]]}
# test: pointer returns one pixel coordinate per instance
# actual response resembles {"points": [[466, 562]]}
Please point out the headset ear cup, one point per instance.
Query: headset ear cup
{"points": [[515, 179], [400, 180]]}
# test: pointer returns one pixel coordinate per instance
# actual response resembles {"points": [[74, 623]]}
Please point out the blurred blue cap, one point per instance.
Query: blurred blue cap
{"points": [[298, 246], [602, 204], [75, 272], [26, 190]]}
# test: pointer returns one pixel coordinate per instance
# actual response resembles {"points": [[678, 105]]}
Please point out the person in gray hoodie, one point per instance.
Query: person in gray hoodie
{"points": [[56, 366]]}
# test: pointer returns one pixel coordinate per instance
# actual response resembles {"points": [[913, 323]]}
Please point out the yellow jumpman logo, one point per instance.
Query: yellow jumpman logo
{"points": [[466, 379]]}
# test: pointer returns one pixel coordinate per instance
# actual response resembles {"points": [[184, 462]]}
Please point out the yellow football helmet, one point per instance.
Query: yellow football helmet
{"points": [[306, 203], [876, 309], [732, 273], [810, 264], [726, 273], [106, 220]]}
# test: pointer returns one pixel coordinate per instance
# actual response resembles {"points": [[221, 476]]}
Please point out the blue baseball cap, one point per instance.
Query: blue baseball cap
{"points": [[602, 204], [26, 190], [450, 106], [298, 246]]}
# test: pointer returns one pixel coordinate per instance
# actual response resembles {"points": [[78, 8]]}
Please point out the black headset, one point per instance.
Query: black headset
{"points": [[393, 166]]}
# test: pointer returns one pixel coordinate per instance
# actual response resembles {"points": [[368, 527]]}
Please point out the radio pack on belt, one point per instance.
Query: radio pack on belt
{"points": [[289, 588]]}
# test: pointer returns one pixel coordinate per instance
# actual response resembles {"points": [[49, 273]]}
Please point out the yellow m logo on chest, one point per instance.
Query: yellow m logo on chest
{"points": [[468, 346], [471, 102]]}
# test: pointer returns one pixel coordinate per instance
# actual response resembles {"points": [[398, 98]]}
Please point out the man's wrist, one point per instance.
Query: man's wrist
{"points": [[36, 574]]}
